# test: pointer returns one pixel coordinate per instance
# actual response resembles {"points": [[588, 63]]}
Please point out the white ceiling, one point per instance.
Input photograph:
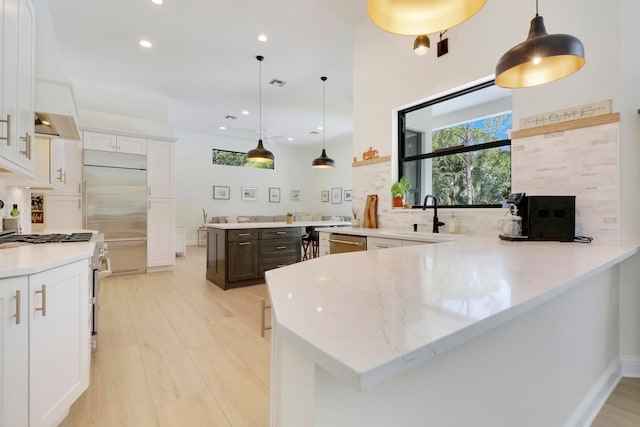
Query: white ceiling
{"points": [[203, 60]]}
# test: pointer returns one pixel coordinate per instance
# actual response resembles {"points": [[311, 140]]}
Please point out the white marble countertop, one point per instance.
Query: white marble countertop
{"points": [[369, 316], [34, 258], [246, 225], [417, 236]]}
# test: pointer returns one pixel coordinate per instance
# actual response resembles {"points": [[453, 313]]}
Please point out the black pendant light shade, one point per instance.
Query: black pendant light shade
{"points": [[260, 154], [542, 58], [324, 161]]}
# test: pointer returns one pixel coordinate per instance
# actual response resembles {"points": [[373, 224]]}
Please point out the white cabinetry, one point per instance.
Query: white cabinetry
{"points": [[109, 142], [59, 351], [16, 101], [44, 352], [374, 243], [14, 356], [160, 168], [323, 243], [161, 218], [161, 233], [63, 212]]}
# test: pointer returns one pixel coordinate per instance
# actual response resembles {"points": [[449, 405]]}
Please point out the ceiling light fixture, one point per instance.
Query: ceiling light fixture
{"points": [[145, 43], [421, 45], [262, 38], [158, 2], [540, 59], [323, 162], [411, 17], [245, 112], [260, 154]]}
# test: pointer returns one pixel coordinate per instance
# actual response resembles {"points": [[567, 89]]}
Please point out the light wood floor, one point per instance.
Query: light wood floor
{"points": [[176, 350]]}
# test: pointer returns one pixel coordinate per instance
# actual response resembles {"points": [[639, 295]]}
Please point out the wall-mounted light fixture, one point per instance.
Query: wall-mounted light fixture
{"points": [[412, 17], [421, 45], [542, 58], [260, 154]]}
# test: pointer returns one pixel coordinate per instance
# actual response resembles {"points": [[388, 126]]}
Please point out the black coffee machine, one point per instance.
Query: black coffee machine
{"points": [[548, 218]]}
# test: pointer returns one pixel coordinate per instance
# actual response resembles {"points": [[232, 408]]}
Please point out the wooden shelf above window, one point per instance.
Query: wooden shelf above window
{"points": [[371, 161], [563, 126]]}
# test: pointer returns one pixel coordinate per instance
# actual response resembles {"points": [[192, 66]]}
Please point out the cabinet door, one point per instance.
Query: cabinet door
{"points": [[59, 341], [160, 169], [161, 232], [26, 64], [216, 251], [63, 212], [98, 141], [242, 260], [72, 166], [128, 144], [56, 162], [374, 243], [14, 356]]}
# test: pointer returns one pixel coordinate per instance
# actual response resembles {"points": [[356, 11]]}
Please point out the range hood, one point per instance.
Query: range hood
{"points": [[55, 109]]}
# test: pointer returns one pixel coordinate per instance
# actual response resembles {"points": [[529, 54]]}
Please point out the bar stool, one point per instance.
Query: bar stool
{"points": [[310, 244]]}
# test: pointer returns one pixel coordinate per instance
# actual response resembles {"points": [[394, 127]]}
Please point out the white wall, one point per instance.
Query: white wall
{"points": [[196, 176]]}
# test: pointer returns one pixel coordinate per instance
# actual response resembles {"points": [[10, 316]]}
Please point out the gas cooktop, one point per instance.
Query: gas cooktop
{"points": [[47, 238]]}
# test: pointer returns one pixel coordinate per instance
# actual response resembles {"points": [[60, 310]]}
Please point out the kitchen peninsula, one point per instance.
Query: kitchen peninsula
{"points": [[474, 331], [238, 254]]}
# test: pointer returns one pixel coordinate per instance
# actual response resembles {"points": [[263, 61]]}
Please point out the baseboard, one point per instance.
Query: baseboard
{"points": [[630, 366], [161, 268], [588, 409]]}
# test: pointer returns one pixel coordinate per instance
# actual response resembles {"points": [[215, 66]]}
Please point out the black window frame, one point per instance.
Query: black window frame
{"points": [[443, 151]]}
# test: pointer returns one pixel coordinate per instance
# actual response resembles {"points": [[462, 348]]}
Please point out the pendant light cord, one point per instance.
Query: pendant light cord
{"points": [[536, 7], [260, 58], [324, 108]]}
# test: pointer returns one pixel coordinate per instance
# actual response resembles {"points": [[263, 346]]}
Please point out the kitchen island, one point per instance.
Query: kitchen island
{"points": [[474, 331], [45, 332], [238, 254]]}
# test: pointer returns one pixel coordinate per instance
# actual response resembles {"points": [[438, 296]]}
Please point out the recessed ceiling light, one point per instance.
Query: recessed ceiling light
{"points": [[289, 139], [319, 127], [145, 43], [222, 128], [262, 37], [245, 112], [158, 2]]}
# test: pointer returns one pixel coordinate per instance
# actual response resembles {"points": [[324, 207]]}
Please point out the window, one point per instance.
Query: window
{"points": [[236, 158], [458, 148]]}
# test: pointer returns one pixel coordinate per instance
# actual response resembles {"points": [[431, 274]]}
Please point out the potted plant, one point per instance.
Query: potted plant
{"points": [[399, 191], [289, 218], [355, 222]]}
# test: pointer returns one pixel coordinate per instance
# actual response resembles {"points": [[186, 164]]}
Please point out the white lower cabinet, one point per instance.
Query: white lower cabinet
{"points": [[45, 358], [161, 233], [14, 352], [374, 243], [323, 244], [63, 212]]}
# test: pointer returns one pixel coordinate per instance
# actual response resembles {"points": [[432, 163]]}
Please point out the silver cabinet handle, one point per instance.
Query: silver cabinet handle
{"points": [[280, 247], [17, 307], [346, 242], [244, 243], [264, 307], [382, 246], [149, 190], [281, 232], [8, 137], [244, 234], [27, 145], [43, 309], [59, 170]]}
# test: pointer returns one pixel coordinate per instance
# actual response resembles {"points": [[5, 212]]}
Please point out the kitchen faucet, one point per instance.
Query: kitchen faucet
{"points": [[436, 223]]}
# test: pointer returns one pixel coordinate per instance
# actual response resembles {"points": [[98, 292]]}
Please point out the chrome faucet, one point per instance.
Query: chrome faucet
{"points": [[436, 223]]}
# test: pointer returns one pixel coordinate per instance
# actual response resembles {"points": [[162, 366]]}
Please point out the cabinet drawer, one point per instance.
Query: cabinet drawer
{"points": [[271, 263], [279, 247], [382, 243], [280, 233], [235, 235]]}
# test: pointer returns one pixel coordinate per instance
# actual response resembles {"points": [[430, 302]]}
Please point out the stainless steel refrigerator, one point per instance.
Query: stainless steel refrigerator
{"points": [[115, 204]]}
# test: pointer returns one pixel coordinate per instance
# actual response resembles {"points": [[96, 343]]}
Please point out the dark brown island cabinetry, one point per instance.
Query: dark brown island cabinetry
{"points": [[240, 257]]}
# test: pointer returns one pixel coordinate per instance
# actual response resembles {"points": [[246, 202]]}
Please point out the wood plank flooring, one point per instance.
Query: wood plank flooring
{"points": [[176, 350]]}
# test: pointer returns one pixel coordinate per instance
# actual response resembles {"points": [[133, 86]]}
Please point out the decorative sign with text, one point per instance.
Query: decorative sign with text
{"points": [[573, 113], [37, 208]]}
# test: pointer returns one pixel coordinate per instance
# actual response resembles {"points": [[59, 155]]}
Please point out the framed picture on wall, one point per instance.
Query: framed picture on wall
{"points": [[336, 195], [324, 196], [249, 194], [221, 192], [274, 195], [348, 195], [295, 195]]}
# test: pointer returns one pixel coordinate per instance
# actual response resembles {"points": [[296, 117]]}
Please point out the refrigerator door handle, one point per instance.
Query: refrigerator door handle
{"points": [[125, 239]]}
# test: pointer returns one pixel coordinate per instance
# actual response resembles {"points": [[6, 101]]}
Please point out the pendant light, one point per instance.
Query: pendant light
{"points": [[542, 58], [260, 154], [323, 162], [421, 45], [411, 17]]}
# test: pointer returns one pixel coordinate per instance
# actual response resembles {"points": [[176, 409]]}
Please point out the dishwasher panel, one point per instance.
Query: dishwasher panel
{"points": [[340, 243]]}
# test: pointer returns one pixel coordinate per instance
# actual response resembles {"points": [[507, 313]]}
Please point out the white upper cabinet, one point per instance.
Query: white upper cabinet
{"points": [[16, 103], [160, 169], [109, 142]]}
